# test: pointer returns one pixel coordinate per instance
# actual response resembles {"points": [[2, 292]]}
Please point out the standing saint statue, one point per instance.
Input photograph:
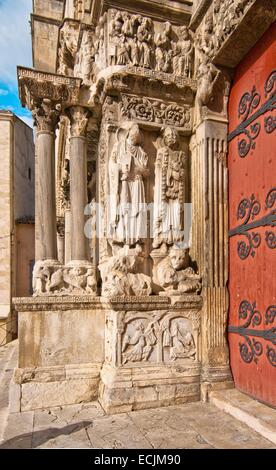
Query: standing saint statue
{"points": [[183, 52], [127, 169], [169, 191]]}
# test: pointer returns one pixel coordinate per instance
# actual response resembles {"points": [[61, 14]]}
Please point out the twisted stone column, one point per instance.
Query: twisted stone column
{"points": [[46, 117], [78, 190]]}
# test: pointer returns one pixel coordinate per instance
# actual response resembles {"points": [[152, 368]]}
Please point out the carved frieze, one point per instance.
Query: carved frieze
{"points": [[51, 278], [122, 39], [156, 111], [138, 337]]}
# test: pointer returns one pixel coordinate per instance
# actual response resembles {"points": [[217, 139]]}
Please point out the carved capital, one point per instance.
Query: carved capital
{"points": [[45, 115], [79, 120], [35, 86]]}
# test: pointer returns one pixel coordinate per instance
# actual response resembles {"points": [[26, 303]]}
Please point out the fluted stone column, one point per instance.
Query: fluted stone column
{"points": [[78, 189], [45, 116]]}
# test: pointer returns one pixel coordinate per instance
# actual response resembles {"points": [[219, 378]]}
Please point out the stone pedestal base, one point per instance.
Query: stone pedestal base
{"points": [[136, 388], [45, 387], [152, 353], [61, 350], [130, 353]]}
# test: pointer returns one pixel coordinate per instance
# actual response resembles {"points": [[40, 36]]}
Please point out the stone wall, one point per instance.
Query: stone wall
{"points": [[25, 242], [6, 225], [24, 172], [16, 202]]}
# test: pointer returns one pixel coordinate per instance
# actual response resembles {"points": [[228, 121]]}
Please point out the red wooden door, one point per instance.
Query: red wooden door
{"points": [[252, 204]]}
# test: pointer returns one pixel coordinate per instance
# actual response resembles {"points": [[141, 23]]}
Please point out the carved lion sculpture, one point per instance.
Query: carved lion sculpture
{"points": [[175, 275], [120, 279]]}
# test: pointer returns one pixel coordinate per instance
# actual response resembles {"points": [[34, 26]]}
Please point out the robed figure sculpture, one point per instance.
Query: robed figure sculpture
{"points": [[128, 166], [169, 190]]}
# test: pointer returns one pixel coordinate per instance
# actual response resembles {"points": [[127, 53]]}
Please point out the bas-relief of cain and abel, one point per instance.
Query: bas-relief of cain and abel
{"points": [[147, 191]]}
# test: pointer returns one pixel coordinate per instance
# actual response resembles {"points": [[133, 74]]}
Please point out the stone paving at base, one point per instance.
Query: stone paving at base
{"points": [[190, 426]]}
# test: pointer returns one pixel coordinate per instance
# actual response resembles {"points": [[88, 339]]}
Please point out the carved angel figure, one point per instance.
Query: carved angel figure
{"points": [[139, 347], [183, 54], [169, 191], [127, 169]]}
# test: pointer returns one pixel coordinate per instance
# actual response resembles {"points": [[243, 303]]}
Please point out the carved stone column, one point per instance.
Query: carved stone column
{"points": [[78, 190], [210, 241], [45, 116]]}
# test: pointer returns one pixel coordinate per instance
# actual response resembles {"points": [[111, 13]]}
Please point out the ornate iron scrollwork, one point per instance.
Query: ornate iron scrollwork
{"points": [[248, 209], [270, 198], [250, 348], [249, 128]]}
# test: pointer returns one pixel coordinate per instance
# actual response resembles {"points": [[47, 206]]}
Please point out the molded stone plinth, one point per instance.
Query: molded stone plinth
{"points": [[134, 388]]}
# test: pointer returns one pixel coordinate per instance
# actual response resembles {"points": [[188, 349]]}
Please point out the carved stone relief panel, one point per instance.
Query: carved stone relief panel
{"points": [[122, 39], [156, 111], [51, 278], [219, 22], [158, 337], [68, 47]]}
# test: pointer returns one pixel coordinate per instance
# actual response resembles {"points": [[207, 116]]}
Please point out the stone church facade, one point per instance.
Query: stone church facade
{"points": [[130, 105]]}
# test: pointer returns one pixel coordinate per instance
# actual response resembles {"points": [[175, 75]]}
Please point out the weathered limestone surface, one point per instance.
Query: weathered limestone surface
{"points": [[192, 426], [134, 284], [16, 206], [5, 221]]}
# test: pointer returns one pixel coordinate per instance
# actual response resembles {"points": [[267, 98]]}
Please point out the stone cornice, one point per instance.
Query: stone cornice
{"points": [[87, 302], [199, 13], [248, 30], [179, 11], [36, 86], [148, 82]]}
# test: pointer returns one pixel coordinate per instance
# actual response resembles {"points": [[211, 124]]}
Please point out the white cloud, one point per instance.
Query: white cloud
{"points": [[15, 38], [3, 92]]}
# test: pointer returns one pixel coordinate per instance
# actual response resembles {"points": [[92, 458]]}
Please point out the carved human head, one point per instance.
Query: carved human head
{"points": [[180, 258], [134, 135], [118, 23], [77, 271], [184, 32], [170, 136]]}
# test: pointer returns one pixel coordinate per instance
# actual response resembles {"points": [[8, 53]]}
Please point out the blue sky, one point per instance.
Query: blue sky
{"points": [[16, 49]]}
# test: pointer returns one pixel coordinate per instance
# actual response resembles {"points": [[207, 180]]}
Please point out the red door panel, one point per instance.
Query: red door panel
{"points": [[252, 204]]}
